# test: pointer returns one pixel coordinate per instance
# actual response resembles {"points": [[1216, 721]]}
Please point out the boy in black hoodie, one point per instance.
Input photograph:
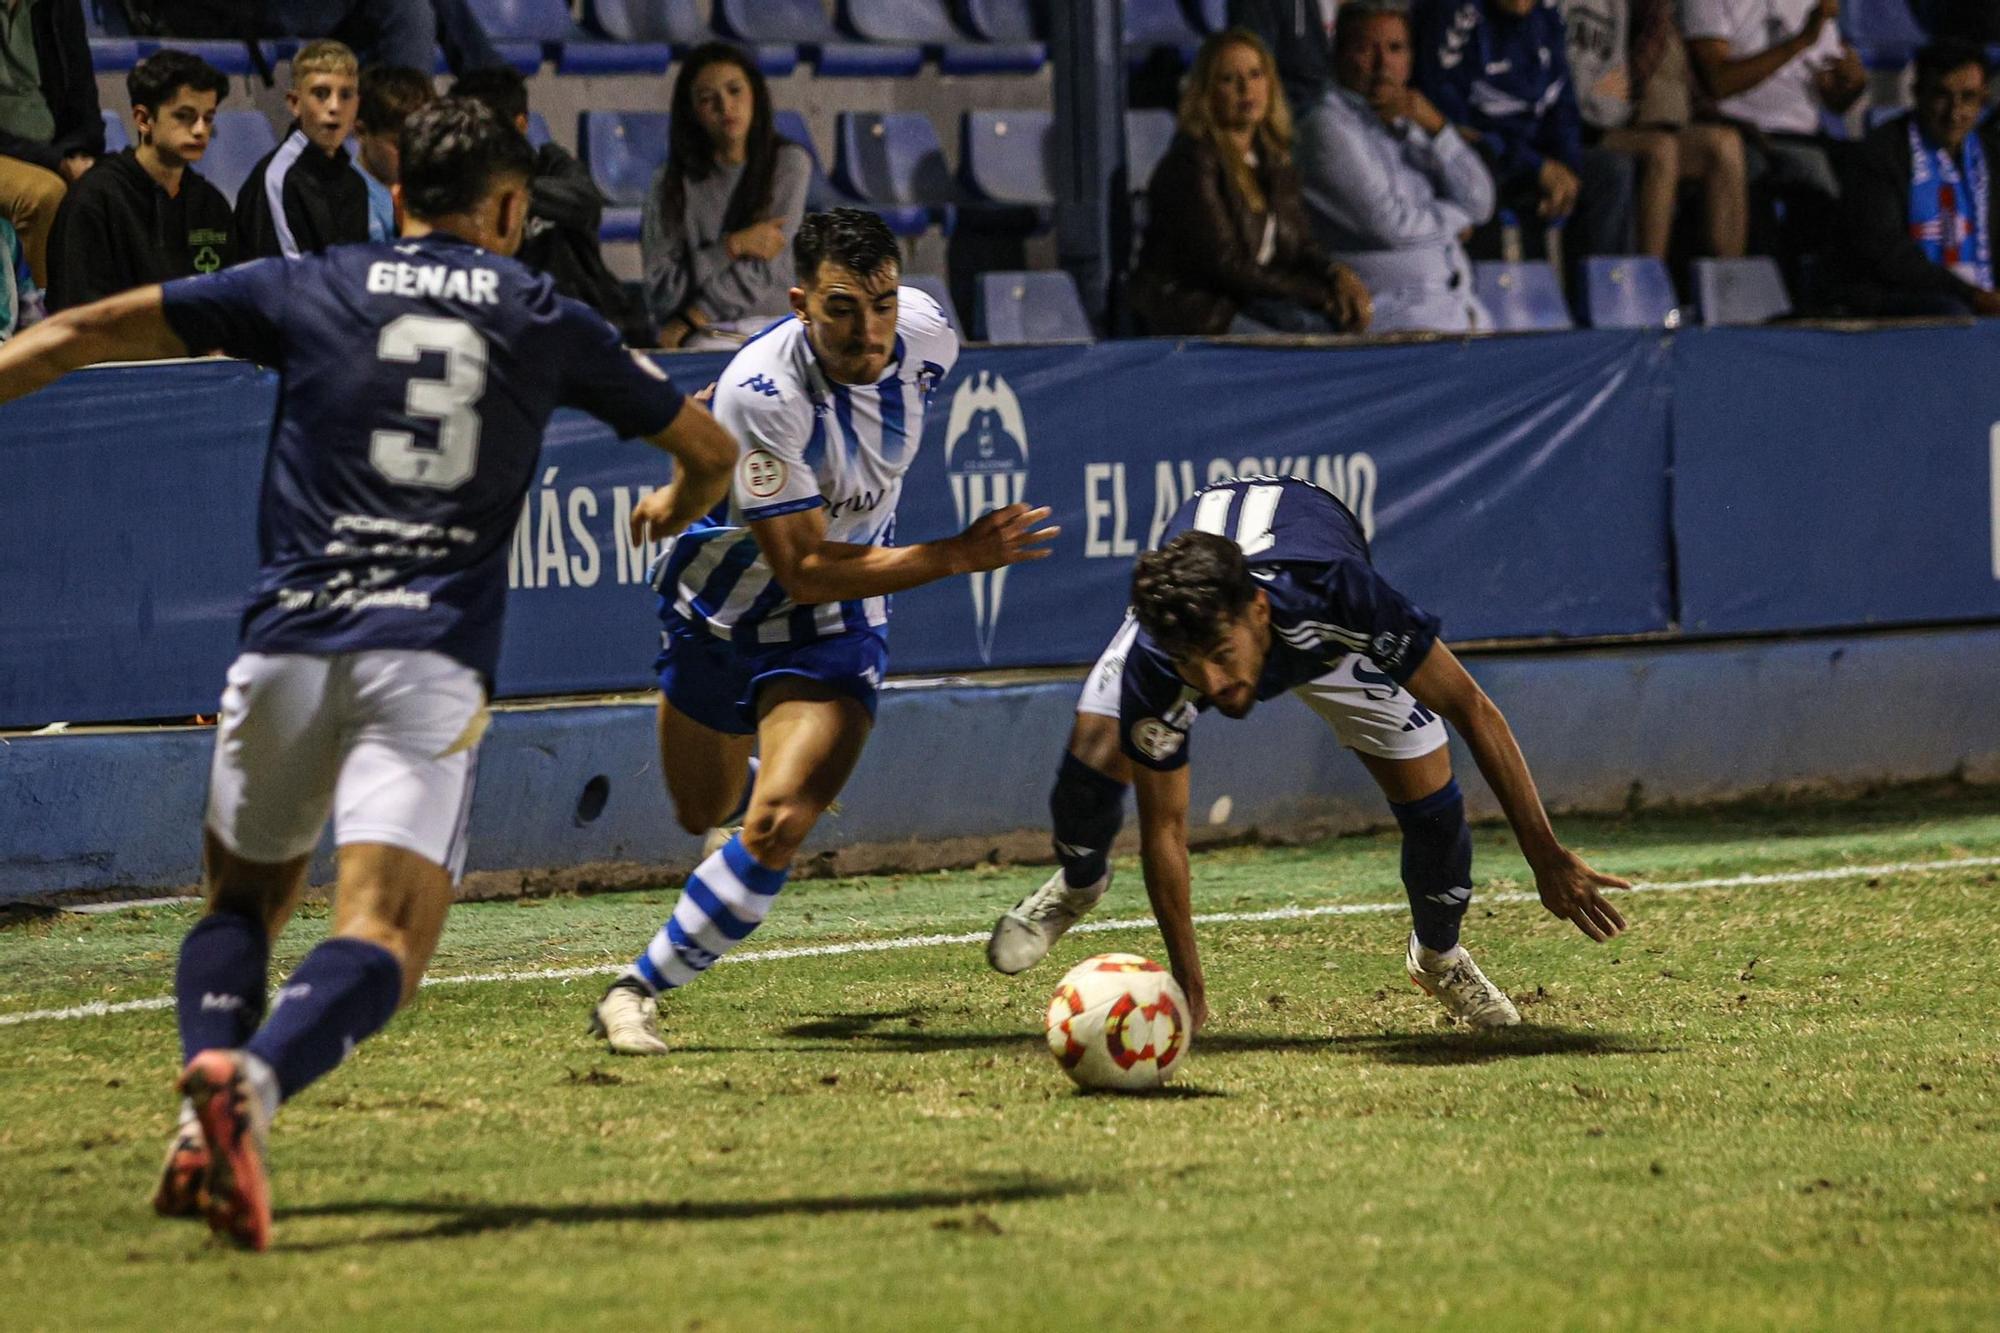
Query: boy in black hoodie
{"points": [[564, 211], [305, 195], [142, 216]]}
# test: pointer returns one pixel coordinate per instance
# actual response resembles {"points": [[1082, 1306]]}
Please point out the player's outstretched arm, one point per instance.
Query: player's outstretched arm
{"points": [[1569, 887], [813, 569], [705, 457], [1163, 852], [131, 326]]}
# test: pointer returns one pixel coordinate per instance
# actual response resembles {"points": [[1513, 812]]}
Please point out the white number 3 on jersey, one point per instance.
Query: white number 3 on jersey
{"points": [[450, 402]]}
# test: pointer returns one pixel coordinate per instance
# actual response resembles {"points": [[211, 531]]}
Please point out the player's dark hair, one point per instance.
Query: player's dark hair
{"points": [[851, 237], [1948, 55], [153, 82], [389, 93], [1185, 592], [500, 87], [691, 155], [454, 151]]}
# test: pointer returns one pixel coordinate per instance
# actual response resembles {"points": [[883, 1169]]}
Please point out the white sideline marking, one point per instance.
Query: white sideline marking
{"points": [[102, 1008]]}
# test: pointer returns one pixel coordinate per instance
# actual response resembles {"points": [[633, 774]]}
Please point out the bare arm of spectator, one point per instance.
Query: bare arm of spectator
{"points": [[1841, 81], [1724, 74], [725, 288]]}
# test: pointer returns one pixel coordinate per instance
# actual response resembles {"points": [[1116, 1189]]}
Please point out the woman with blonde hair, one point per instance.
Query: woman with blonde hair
{"points": [[1228, 248]]}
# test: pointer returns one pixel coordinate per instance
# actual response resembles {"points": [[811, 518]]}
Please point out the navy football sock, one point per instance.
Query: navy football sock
{"points": [[342, 994], [1086, 809], [219, 982], [1437, 864]]}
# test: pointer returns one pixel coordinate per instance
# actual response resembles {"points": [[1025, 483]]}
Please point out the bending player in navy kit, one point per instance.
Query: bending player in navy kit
{"points": [[417, 379], [1265, 585], [776, 620]]}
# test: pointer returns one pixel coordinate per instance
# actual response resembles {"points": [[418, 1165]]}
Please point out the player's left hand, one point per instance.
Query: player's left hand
{"points": [[653, 517], [1569, 889]]}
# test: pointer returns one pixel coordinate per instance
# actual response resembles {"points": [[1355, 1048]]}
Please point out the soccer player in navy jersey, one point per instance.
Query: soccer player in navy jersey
{"points": [[416, 381], [1264, 585], [776, 614]]}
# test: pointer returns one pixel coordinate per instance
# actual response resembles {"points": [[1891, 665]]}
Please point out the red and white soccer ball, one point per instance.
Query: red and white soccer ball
{"points": [[1119, 1021]]}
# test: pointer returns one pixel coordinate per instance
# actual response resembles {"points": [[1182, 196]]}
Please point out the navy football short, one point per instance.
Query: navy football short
{"points": [[716, 682]]}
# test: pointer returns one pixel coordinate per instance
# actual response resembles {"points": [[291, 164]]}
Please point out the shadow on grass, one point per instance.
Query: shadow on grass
{"points": [[1478, 1048], [910, 1034], [454, 1219]]}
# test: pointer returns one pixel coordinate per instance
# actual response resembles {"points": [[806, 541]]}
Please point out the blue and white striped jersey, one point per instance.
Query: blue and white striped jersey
{"points": [[805, 442]]}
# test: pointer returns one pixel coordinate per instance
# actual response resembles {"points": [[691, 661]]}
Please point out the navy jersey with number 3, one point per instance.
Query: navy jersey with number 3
{"points": [[1308, 554], [415, 381]]}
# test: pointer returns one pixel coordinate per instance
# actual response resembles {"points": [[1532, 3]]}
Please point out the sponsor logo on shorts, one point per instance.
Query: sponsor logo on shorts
{"points": [[1388, 648], [763, 473], [1155, 739]]}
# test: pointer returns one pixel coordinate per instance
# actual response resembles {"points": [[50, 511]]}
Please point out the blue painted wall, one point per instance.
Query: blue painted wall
{"points": [[1686, 722]]}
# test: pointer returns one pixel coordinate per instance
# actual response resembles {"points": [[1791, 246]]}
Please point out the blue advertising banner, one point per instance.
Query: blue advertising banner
{"points": [[1517, 487], [1836, 479]]}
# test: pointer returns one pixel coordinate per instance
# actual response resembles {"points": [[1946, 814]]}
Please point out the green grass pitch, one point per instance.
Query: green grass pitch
{"points": [[1771, 1105]]}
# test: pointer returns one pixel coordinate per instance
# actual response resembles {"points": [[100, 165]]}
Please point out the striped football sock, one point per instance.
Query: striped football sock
{"points": [[725, 899]]}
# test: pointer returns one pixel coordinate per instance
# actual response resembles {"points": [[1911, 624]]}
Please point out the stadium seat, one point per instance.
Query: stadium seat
{"points": [[891, 159], [1740, 291], [822, 194], [623, 150], [522, 29], [1147, 136], [113, 55], [1522, 297], [538, 129], [935, 287], [1008, 156], [1211, 15], [1030, 308], [1884, 32], [1629, 292], [232, 58], [116, 140], [242, 135], [802, 23], [1008, 21], [925, 23], [1150, 23], [676, 22]]}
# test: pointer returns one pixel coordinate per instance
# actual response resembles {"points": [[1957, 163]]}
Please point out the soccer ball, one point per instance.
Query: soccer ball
{"points": [[1119, 1021]]}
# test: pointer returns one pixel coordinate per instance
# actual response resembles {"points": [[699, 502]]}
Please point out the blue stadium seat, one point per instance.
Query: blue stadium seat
{"points": [[1008, 21], [1740, 291], [538, 129], [522, 29], [1884, 32], [676, 22], [242, 135], [1211, 15], [1030, 308], [231, 58], [891, 159], [1629, 292], [113, 55], [822, 194], [1147, 137], [1008, 156], [935, 287], [623, 150], [1521, 297], [803, 23], [116, 140], [925, 23], [1151, 23], [1879, 116]]}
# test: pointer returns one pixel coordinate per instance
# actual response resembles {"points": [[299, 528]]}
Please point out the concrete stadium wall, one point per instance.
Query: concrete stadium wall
{"points": [[959, 770]]}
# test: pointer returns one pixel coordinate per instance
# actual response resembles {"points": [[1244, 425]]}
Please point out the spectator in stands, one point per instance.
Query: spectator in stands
{"points": [[50, 129], [721, 214], [389, 93], [1771, 66], [305, 195], [1921, 201], [142, 216], [1299, 35], [1500, 69], [1616, 47], [565, 210], [1390, 184], [385, 32], [1228, 247]]}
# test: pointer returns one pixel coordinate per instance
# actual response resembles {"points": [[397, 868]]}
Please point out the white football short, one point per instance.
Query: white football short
{"points": [[1376, 717], [383, 740]]}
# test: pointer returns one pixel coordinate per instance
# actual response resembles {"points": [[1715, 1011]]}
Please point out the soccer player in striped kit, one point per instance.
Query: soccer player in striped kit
{"points": [[775, 618]]}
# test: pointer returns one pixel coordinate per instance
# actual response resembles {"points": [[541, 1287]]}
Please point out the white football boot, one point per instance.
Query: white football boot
{"points": [[1030, 928], [1455, 981], [628, 1019]]}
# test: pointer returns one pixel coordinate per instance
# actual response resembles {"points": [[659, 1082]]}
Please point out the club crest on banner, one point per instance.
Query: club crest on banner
{"points": [[986, 457]]}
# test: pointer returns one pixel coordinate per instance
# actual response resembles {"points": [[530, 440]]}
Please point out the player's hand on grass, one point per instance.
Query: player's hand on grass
{"points": [[653, 517], [1004, 537], [1569, 889]]}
